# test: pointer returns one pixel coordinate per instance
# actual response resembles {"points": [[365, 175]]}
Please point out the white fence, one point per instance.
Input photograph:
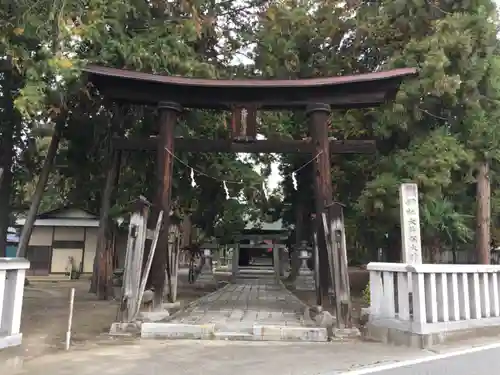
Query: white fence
{"points": [[12, 273], [434, 298]]}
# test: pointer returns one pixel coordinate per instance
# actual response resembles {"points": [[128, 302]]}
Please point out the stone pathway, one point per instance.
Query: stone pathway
{"points": [[249, 309], [246, 302]]}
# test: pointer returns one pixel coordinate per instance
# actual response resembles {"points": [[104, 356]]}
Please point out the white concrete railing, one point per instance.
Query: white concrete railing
{"points": [[432, 298], [12, 274]]}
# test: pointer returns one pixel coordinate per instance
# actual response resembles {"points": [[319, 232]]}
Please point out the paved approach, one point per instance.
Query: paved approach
{"points": [[246, 302], [253, 309]]}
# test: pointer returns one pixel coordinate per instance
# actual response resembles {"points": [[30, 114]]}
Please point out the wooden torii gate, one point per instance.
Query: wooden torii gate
{"points": [[244, 98]]}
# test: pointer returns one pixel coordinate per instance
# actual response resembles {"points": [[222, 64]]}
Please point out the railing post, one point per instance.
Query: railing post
{"points": [[464, 298], [494, 294], [476, 311], [419, 303], [3, 276], [12, 276], [431, 289], [375, 292], [443, 299], [403, 297], [485, 295], [455, 300], [388, 308]]}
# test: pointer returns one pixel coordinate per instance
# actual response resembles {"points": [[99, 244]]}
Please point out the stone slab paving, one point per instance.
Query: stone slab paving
{"points": [[248, 301], [248, 309]]}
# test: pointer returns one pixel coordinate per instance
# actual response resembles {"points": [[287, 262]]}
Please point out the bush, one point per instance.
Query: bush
{"points": [[366, 294]]}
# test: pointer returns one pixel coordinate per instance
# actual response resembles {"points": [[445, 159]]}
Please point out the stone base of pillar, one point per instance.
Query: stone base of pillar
{"points": [[11, 340], [305, 278], [305, 281]]}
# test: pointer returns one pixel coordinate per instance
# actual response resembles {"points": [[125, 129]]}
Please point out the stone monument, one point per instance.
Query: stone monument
{"points": [[410, 223]]}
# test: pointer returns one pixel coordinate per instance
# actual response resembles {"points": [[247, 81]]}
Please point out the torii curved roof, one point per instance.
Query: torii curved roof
{"points": [[353, 91]]}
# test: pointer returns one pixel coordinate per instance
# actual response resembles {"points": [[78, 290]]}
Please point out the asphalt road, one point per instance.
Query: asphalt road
{"points": [[475, 361], [191, 357]]}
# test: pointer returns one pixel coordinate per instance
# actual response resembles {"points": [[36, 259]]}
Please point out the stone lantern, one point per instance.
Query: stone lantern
{"points": [[206, 274], [305, 277]]}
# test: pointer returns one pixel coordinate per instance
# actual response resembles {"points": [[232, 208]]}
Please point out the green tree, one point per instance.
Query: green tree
{"points": [[454, 100], [170, 38]]}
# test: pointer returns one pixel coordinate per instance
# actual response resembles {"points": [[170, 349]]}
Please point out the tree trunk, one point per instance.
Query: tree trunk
{"points": [[483, 218], [10, 121], [187, 226], [39, 190], [5, 207], [100, 277]]}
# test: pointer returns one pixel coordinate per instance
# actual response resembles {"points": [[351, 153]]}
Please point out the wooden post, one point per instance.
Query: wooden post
{"points": [[318, 115], [175, 268], [346, 303], [319, 296], [36, 199], [100, 276], [337, 237], [333, 265], [165, 158]]}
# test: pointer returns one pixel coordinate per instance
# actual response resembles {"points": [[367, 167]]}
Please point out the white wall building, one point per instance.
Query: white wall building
{"points": [[60, 234]]}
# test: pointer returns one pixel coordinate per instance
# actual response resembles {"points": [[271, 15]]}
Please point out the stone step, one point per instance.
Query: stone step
{"points": [[170, 331], [260, 270], [233, 336]]}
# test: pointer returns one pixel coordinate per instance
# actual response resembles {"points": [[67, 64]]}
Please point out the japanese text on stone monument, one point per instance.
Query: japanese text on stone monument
{"points": [[410, 223]]}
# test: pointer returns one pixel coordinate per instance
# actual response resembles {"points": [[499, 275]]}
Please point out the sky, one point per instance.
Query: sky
{"points": [[274, 179]]}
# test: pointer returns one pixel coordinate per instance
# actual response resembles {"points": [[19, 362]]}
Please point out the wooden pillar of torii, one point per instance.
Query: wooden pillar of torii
{"points": [[160, 271], [318, 115]]}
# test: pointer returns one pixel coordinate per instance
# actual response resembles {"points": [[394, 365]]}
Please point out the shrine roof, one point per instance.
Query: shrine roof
{"points": [[353, 91]]}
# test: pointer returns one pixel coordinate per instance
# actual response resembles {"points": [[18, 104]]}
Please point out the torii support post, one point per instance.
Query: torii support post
{"points": [[338, 240], [318, 115], [165, 157]]}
